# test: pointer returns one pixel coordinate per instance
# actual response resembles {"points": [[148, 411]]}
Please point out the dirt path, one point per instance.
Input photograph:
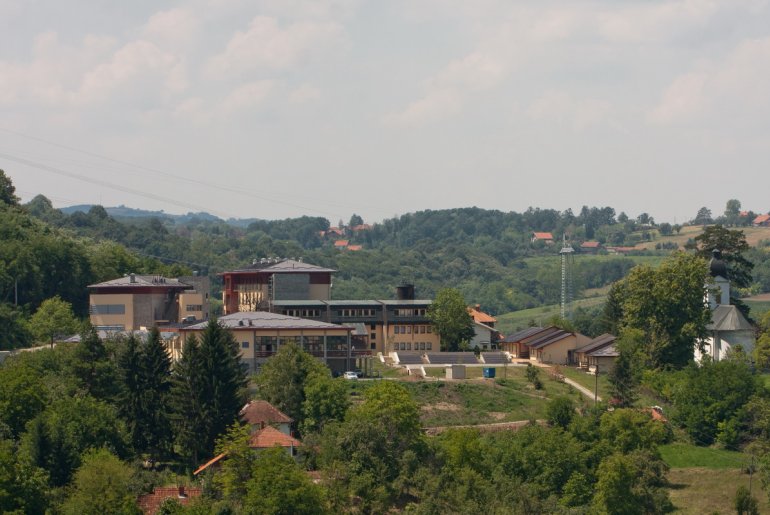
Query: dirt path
{"points": [[582, 389], [494, 426]]}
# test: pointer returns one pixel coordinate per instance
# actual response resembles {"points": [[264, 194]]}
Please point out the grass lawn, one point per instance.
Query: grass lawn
{"points": [[681, 455], [479, 401], [516, 320], [758, 308], [704, 480], [703, 491], [587, 380], [474, 372]]}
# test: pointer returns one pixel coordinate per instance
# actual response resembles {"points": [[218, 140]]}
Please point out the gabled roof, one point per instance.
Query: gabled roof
{"points": [[761, 219], [728, 318], [280, 266], [597, 343], [481, 317], [543, 235], [135, 281], [548, 339], [258, 412], [355, 248], [252, 320], [341, 243], [590, 245], [270, 437], [521, 335], [610, 351], [361, 227]]}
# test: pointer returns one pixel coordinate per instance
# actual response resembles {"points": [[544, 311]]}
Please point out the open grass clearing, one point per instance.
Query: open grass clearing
{"points": [[479, 401], [703, 490], [517, 320], [587, 380], [682, 455]]}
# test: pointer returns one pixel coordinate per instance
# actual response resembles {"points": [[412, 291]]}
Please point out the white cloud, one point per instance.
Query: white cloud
{"points": [[731, 88], [247, 96], [434, 106], [267, 44], [136, 64], [172, 28], [562, 108], [304, 93]]}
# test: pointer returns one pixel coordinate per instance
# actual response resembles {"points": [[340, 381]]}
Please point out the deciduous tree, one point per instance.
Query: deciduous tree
{"points": [[449, 315], [53, 319]]}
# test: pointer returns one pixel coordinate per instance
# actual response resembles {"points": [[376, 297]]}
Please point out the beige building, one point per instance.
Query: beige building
{"points": [[556, 347], [136, 301], [260, 334]]}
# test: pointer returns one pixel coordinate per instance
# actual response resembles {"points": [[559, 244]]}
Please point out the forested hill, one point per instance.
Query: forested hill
{"points": [[487, 254]]}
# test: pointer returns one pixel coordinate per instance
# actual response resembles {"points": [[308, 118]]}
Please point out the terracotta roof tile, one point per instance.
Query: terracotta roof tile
{"points": [[341, 243], [761, 219], [270, 437], [258, 412], [543, 235], [481, 317], [149, 503]]}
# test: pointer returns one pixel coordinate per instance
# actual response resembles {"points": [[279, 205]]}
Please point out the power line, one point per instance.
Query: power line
{"points": [[211, 185], [104, 183]]}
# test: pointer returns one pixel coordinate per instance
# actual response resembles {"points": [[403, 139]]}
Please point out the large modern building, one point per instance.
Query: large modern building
{"points": [[135, 301], [260, 334], [297, 289], [266, 280]]}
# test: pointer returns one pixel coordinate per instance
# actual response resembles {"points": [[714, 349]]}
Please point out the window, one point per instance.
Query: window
{"points": [[408, 346], [244, 345], [373, 336], [194, 307], [110, 328], [430, 329], [409, 329], [396, 329], [429, 346], [107, 309]]}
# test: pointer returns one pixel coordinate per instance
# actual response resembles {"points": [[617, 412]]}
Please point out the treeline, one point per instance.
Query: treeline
{"points": [[485, 253], [40, 262], [87, 427]]}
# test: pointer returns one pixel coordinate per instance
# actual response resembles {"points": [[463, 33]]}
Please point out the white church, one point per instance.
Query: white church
{"points": [[728, 326]]}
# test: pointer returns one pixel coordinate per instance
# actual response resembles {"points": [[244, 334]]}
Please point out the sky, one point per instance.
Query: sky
{"points": [[281, 108]]}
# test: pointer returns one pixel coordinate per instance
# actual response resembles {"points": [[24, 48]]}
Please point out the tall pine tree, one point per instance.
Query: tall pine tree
{"points": [[208, 390], [145, 370]]}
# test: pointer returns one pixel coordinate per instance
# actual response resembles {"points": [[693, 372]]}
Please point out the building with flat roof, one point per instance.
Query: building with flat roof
{"points": [[141, 301]]}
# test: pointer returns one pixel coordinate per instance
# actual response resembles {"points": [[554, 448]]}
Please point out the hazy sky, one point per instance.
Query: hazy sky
{"points": [[280, 108]]}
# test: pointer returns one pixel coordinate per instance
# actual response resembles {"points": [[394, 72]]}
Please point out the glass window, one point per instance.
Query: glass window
{"points": [[429, 346], [244, 345]]}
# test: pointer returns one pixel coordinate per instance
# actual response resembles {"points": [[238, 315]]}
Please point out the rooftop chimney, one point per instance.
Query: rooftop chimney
{"points": [[132, 278]]}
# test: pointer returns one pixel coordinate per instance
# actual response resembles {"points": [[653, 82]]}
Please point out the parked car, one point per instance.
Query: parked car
{"points": [[350, 375]]}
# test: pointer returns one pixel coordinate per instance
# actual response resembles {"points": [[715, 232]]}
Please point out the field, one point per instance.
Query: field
{"points": [[480, 401], [516, 320], [704, 480]]}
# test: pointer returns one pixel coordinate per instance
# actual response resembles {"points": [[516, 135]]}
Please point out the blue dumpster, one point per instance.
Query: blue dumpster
{"points": [[489, 373]]}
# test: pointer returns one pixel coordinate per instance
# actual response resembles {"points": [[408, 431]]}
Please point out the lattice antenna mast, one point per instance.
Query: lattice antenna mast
{"points": [[567, 260]]}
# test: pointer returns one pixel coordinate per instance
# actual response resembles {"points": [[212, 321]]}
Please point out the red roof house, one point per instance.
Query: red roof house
{"points": [[270, 437], [341, 244], [150, 503], [542, 236], [260, 414], [761, 221]]}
